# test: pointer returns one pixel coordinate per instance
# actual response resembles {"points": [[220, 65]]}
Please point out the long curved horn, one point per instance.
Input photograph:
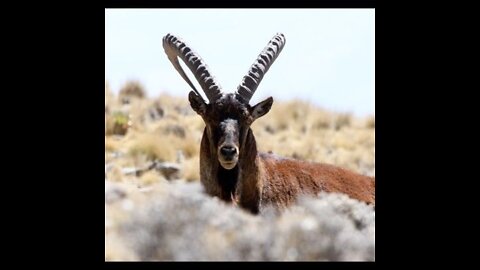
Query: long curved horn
{"points": [[250, 82], [174, 47]]}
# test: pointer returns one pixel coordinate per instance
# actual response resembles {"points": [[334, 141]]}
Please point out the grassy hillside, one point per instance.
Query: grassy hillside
{"points": [[152, 179]]}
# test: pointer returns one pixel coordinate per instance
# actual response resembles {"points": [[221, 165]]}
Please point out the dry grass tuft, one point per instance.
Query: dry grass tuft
{"points": [[371, 122], [342, 120], [150, 178], [130, 90], [153, 147], [191, 169]]}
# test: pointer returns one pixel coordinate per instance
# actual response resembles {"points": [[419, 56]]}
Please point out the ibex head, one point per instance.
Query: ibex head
{"points": [[227, 116]]}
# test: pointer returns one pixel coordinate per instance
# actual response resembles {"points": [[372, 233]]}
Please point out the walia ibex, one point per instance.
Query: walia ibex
{"points": [[231, 168]]}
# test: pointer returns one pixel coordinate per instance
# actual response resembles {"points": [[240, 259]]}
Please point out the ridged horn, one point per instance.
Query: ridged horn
{"points": [[175, 47], [250, 82]]}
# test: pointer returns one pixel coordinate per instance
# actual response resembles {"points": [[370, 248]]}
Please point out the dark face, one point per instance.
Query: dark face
{"points": [[227, 122]]}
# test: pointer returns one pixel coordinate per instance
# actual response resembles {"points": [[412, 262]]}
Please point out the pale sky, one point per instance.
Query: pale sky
{"points": [[328, 58]]}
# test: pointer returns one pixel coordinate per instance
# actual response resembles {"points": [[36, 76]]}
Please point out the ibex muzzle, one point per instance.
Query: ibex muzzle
{"points": [[228, 143]]}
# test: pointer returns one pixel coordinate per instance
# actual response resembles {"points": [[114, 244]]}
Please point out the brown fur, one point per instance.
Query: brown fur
{"points": [[263, 179], [290, 178]]}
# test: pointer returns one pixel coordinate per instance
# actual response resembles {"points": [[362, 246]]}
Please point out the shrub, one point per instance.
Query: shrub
{"points": [[131, 89], [117, 123]]}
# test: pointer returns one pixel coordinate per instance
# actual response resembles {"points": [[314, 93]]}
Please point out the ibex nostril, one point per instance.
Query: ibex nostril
{"points": [[228, 151]]}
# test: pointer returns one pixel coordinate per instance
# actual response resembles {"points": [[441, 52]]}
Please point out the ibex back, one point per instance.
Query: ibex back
{"points": [[230, 166]]}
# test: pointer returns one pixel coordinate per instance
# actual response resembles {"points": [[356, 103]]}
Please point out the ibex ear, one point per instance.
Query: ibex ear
{"points": [[197, 103], [261, 108]]}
